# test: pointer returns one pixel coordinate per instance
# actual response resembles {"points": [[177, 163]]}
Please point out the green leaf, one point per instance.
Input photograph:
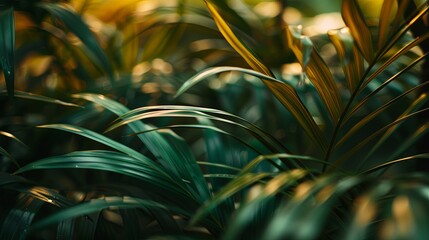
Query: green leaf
{"points": [[19, 184], [198, 112], [95, 205], [377, 133], [7, 46], [248, 211], [416, 104], [17, 222], [354, 19], [78, 27], [114, 162], [226, 192], [204, 74], [101, 139], [368, 205], [284, 92], [172, 153], [37, 97], [303, 216]]}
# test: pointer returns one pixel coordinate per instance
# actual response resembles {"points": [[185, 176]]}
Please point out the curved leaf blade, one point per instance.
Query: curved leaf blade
{"points": [[95, 205], [285, 93], [75, 23], [16, 223], [41, 98]]}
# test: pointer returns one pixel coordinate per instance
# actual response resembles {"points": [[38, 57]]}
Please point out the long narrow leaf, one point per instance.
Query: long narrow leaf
{"points": [[387, 11], [96, 205], [7, 46], [37, 97], [354, 19], [78, 27], [17, 222], [285, 93], [112, 162], [379, 111], [317, 71], [233, 187], [172, 155], [350, 58]]}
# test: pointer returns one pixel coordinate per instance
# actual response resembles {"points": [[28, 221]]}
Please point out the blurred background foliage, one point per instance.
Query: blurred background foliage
{"points": [[213, 175]]}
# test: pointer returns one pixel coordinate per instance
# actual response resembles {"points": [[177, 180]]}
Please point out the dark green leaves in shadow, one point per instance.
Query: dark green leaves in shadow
{"points": [[7, 46], [96, 205], [77, 26], [17, 222]]}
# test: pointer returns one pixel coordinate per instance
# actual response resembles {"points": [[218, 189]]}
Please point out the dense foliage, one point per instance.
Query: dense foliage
{"points": [[213, 120]]}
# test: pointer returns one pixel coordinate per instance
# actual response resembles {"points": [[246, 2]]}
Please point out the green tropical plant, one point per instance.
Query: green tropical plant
{"points": [[346, 172]]}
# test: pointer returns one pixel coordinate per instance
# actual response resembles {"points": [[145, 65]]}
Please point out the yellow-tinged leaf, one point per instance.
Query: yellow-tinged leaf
{"points": [[238, 46], [350, 58], [388, 11], [112, 11], [355, 20], [399, 13], [284, 92], [318, 73]]}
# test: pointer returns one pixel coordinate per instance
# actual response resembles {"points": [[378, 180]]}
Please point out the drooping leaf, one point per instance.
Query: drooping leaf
{"points": [[13, 137], [7, 46], [236, 43], [285, 93], [8, 156], [173, 155], [114, 162], [37, 97], [101, 139], [195, 112], [77, 26], [95, 205], [22, 185]]}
